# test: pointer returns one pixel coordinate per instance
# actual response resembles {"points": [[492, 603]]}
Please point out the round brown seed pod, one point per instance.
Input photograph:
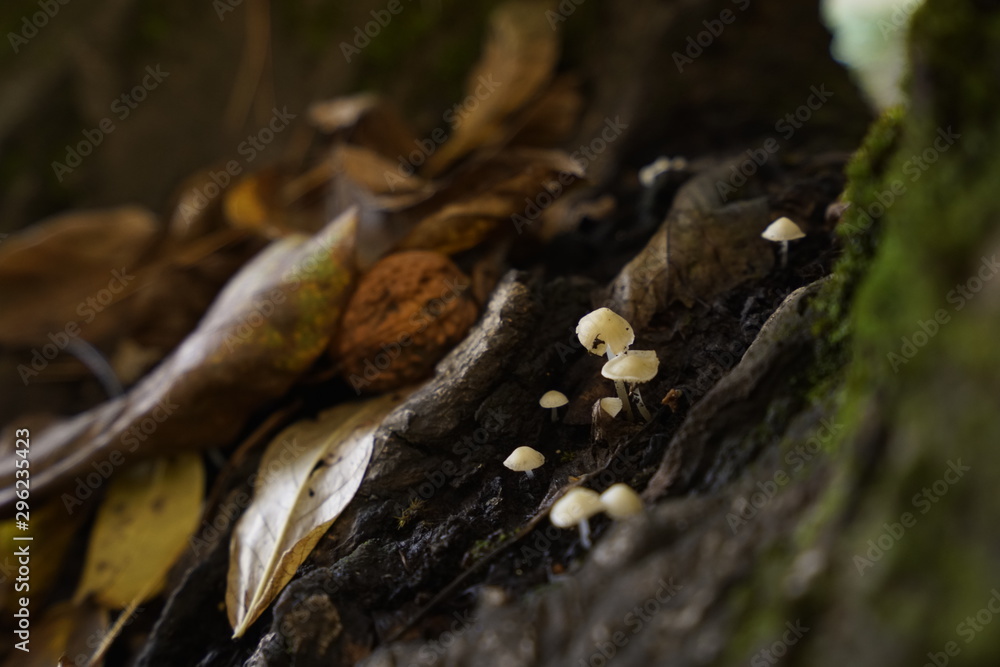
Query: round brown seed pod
{"points": [[408, 311]]}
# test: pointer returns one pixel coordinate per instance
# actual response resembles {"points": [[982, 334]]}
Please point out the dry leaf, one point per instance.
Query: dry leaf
{"points": [[517, 62], [142, 527], [703, 248], [65, 629], [308, 475], [263, 331], [48, 271], [364, 120]]}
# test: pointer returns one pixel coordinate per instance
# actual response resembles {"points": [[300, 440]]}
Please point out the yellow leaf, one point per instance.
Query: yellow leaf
{"points": [[307, 476], [142, 527]]}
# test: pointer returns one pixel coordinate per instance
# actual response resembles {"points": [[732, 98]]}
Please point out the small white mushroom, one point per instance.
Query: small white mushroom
{"points": [[574, 509], [553, 400], [525, 459], [634, 367], [782, 231], [605, 331], [612, 406], [621, 502]]}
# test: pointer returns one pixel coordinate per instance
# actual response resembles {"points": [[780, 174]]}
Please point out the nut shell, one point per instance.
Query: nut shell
{"points": [[408, 311]]}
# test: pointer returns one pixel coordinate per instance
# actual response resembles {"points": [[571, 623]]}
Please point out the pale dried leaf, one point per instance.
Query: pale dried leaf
{"points": [[307, 476]]}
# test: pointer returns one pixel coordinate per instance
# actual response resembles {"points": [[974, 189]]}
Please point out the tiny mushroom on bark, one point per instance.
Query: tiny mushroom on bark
{"points": [[612, 406], [634, 367], [525, 459], [621, 502], [553, 400], [574, 508], [782, 231], [606, 332]]}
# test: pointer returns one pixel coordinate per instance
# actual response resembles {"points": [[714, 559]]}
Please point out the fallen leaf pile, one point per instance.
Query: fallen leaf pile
{"points": [[384, 245]]}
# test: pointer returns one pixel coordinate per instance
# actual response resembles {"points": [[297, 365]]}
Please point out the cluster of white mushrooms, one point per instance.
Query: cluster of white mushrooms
{"points": [[579, 504], [606, 332]]}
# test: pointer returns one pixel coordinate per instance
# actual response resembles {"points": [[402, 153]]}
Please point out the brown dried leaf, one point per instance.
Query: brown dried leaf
{"points": [[703, 248], [48, 271], [517, 62], [364, 120], [263, 331]]}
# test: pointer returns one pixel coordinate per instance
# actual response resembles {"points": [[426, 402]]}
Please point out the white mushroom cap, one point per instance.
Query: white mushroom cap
{"points": [[577, 505], [604, 326], [553, 399], [612, 406], [523, 459], [634, 366], [621, 502], [783, 229]]}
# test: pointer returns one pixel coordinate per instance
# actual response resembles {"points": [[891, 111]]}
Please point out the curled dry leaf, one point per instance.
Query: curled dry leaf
{"points": [[703, 248], [407, 312], [48, 271], [517, 62], [365, 120], [268, 325], [307, 476], [143, 525]]}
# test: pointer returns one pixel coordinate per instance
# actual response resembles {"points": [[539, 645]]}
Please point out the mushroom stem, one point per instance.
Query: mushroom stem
{"points": [[554, 411], [784, 254], [530, 474], [642, 406], [620, 388], [584, 526]]}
